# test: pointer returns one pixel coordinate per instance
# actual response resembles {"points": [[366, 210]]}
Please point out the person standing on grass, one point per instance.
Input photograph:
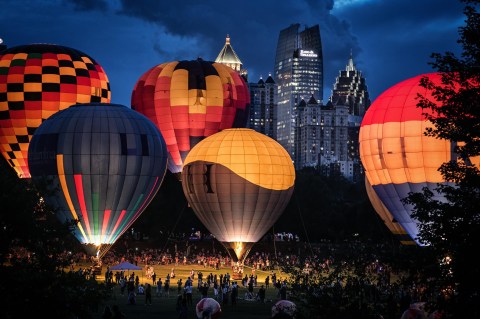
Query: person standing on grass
{"points": [[148, 294], [234, 293], [137, 281], [159, 287], [166, 287], [225, 293], [123, 285], [154, 278], [204, 290], [215, 289], [179, 286], [261, 294], [188, 294]]}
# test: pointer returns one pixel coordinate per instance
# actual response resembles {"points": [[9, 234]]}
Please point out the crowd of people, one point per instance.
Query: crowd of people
{"points": [[347, 275]]}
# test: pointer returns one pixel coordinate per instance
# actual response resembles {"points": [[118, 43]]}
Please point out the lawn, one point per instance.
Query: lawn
{"points": [[164, 307]]}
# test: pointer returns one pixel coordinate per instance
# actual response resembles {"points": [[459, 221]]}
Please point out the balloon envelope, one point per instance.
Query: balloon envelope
{"points": [[398, 158], [395, 228], [208, 308], [238, 183], [190, 100], [101, 164], [36, 81], [284, 309]]}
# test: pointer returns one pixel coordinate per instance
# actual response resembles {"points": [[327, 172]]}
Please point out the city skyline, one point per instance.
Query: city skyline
{"points": [[127, 38]]}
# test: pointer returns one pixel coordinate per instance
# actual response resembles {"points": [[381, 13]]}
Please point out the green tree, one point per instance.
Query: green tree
{"points": [[452, 227], [35, 257]]}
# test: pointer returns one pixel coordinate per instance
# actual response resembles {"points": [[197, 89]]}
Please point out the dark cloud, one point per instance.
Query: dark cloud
{"points": [[87, 5], [253, 29], [390, 40]]}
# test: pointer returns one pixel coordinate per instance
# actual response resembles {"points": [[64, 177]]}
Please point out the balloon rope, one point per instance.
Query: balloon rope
{"points": [[303, 223], [274, 242]]}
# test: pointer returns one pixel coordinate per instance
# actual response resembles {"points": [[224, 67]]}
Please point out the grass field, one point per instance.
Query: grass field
{"points": [[164, 307]]}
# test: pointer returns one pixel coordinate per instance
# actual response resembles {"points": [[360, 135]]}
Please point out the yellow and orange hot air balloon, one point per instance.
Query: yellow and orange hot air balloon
{"points": [[397, 156], [238, 182], [36, 81], [190, 100]]}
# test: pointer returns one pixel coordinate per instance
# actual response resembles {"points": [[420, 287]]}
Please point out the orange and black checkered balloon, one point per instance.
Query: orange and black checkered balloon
{"points": [[36, 81]]}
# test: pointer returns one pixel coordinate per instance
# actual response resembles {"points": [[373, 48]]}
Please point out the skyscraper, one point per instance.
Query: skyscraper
{"points": [[262, 106], [298, 73], [326, 136], [350, 89]]}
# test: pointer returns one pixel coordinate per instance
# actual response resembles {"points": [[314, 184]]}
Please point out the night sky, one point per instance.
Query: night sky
{"points": [[391, 40]]}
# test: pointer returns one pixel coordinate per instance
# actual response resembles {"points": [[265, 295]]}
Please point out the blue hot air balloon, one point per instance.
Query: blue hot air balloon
{"points": [[100, 164]]}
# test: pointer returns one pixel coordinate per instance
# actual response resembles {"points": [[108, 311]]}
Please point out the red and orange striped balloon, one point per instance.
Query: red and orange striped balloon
{"points": [[397, 156], [190, 100]]}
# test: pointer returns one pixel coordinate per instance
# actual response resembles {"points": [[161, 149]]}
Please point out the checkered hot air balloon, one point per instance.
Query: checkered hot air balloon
{"points": [[100, 164], [36, 81], [190, 100]]}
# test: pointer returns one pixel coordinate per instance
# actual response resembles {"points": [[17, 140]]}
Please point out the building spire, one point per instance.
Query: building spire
{"points": [[350, 65], [228, 57]]}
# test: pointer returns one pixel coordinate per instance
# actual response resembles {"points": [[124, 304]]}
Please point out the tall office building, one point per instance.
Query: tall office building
{"points": [[322, 137], [262, 106], [333, 154], [228, 57], [298, 73], [307, 134], [350, 89], [326, 136]]}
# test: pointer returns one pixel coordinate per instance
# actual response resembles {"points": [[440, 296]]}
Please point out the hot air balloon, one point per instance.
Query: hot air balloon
{"points": [[36, 81], [398, 158], [208, 308], [284, 309], [100, 164], [238, 182], [395, 228], [190, 100]]}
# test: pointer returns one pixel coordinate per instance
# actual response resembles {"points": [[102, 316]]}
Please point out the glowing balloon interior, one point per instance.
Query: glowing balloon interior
{"points": [[100, 164], [190, 100], [37, 81], [238, 182]]}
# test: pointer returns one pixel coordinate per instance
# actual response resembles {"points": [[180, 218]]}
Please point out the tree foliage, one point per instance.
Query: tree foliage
{"points": [[452, 227], [35, 255]]}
